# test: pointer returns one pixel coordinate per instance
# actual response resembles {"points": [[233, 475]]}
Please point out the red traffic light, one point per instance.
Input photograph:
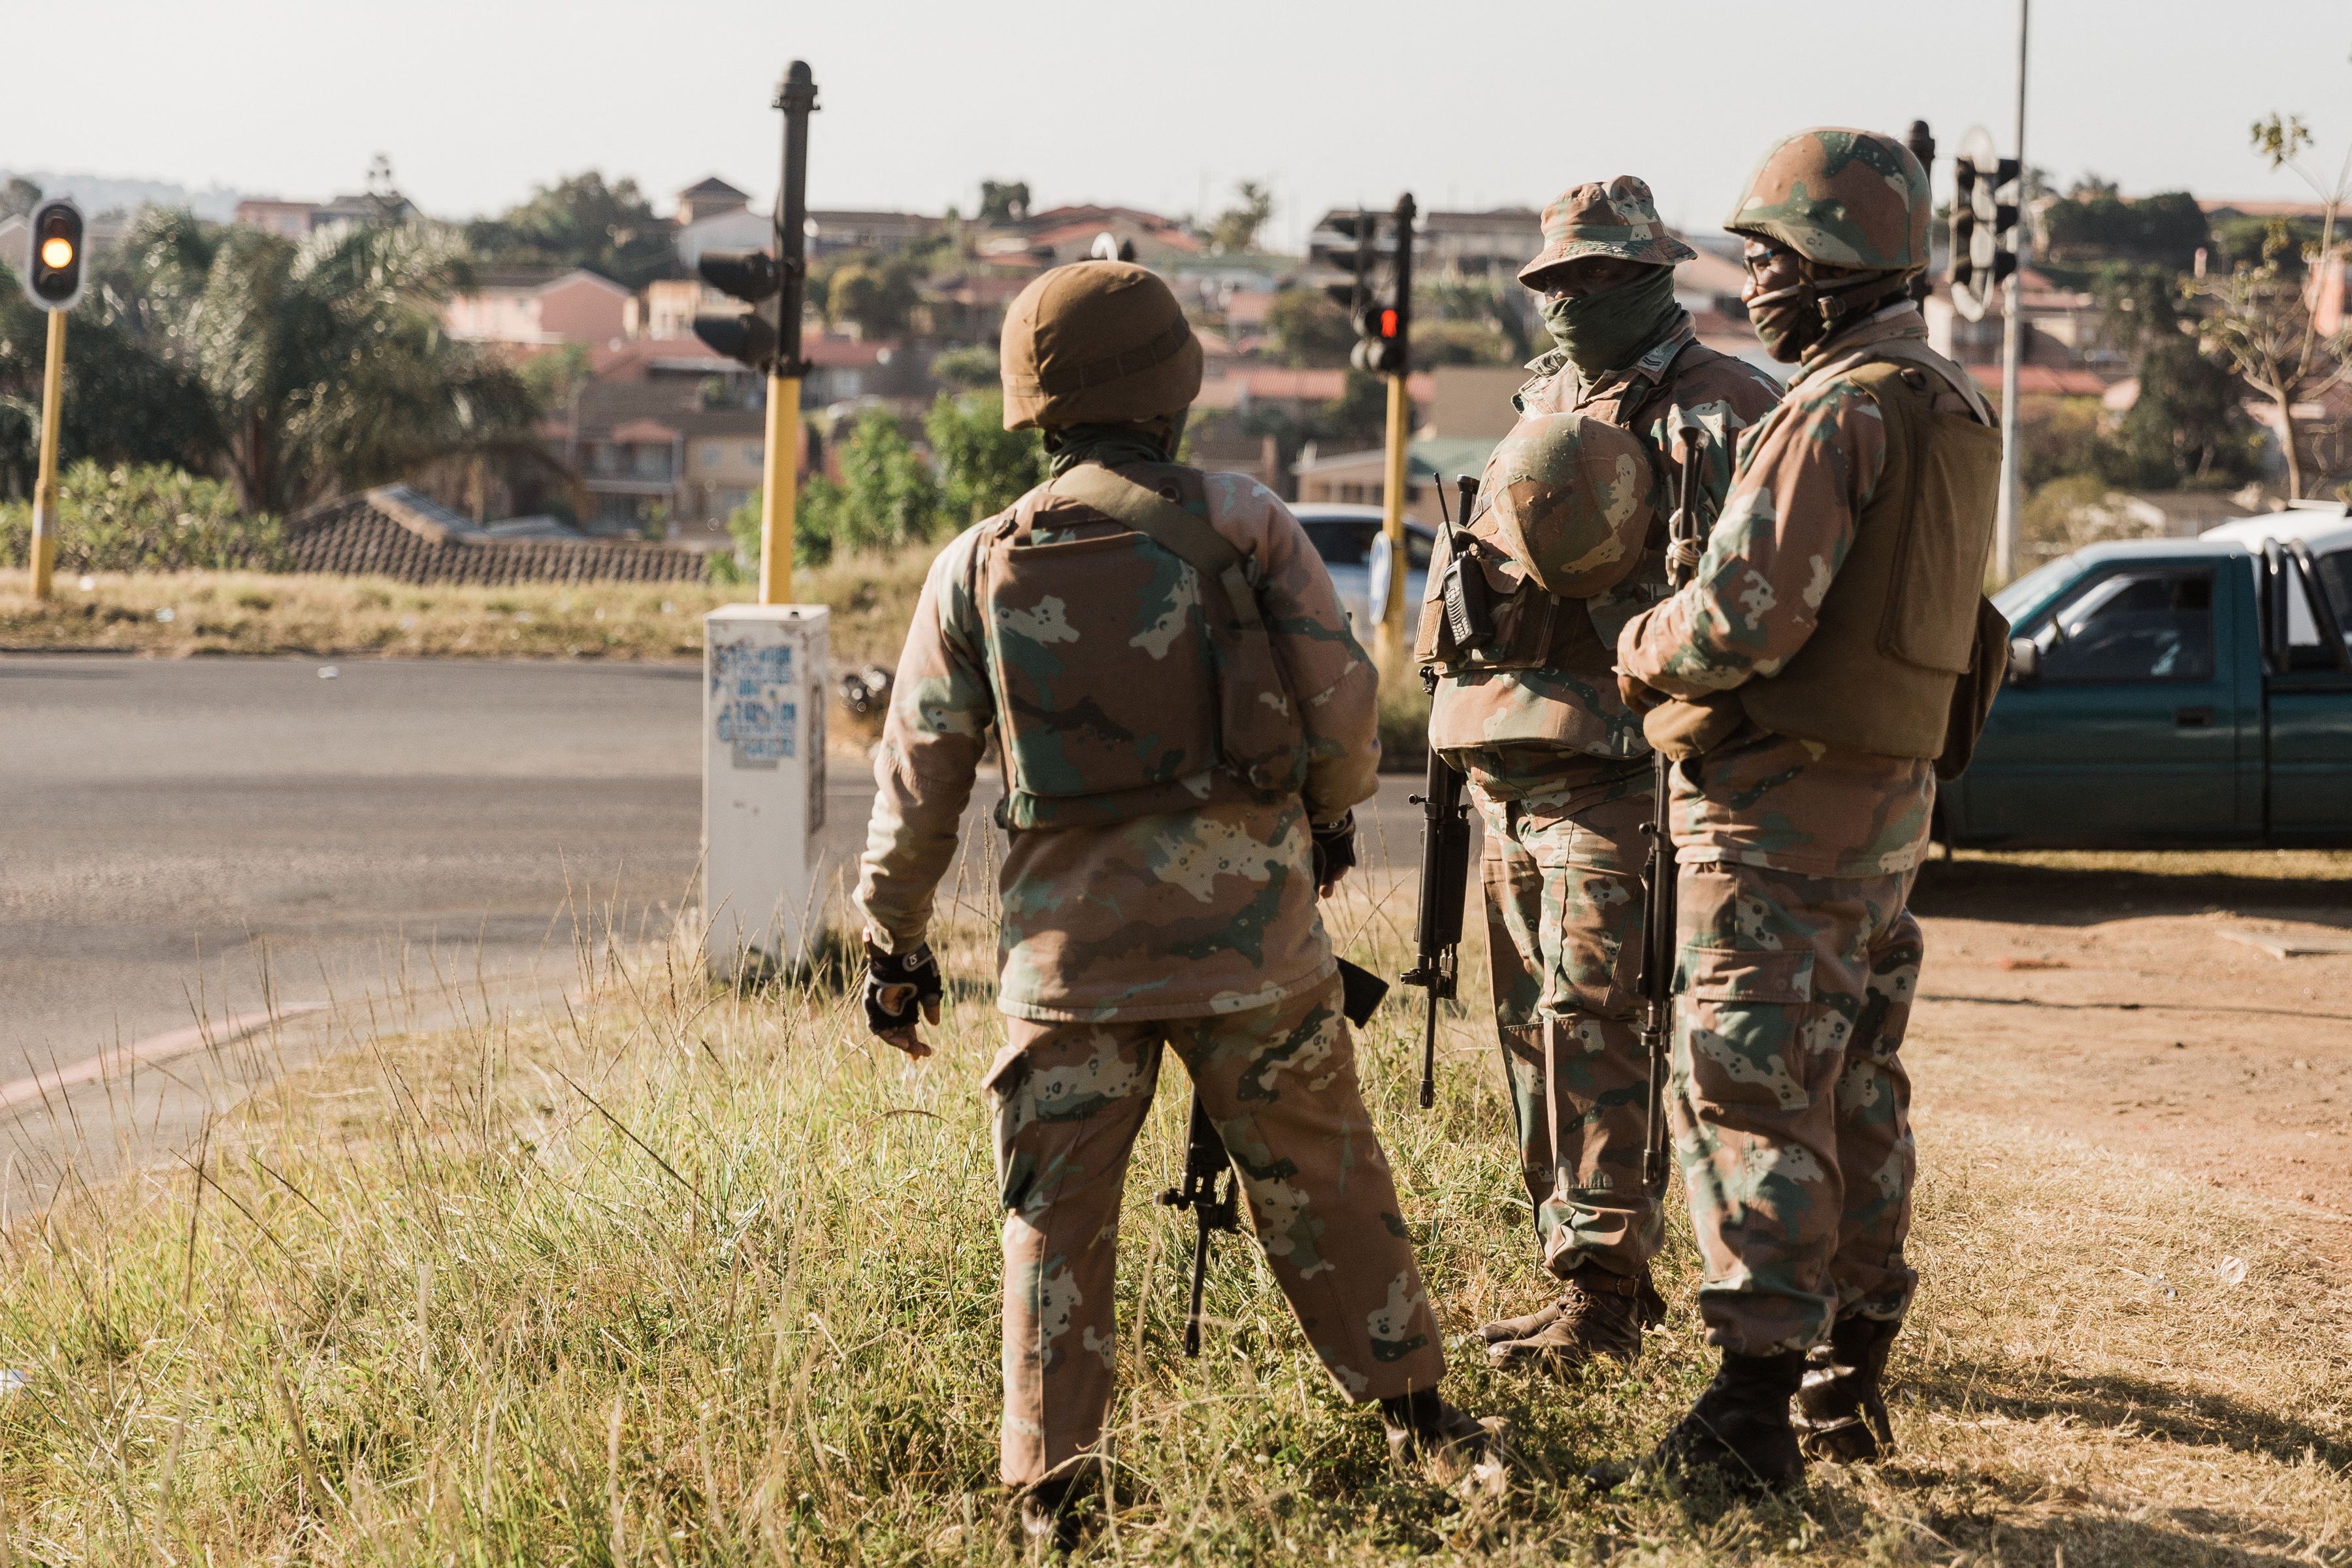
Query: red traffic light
{"points": [[1389, 323]]}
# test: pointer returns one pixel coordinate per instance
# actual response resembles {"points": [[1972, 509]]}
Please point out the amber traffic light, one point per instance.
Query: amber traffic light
{"points": [[53, 272]]}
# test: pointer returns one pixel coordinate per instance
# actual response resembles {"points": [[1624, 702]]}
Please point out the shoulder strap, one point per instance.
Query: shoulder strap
{"points": [[1188, 538], [1911, 351]]}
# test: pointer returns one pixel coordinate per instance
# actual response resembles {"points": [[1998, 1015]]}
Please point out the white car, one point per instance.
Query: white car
{"points": [[2314, 542], [1353, 548]]}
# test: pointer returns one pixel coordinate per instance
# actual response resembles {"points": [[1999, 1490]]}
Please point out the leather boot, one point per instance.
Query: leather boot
{"points": [[1739, 1428], [1841, 1406], [1427, 1434], [1600, 1313], [1059, 1511]]}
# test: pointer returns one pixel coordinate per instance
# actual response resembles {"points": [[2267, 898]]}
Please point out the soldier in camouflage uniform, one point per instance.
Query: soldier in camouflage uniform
{"points": [[1557, 764], [1185, 724], [1806, 680]]}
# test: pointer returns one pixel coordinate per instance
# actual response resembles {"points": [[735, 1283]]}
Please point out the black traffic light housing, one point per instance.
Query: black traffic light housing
{"points": [[54, 262], [750, 276], [1383, 316]]}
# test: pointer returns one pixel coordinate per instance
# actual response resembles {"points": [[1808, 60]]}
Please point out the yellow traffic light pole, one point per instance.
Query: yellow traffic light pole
{"points": [[1391, 647], [44, 487], [781, 494]]}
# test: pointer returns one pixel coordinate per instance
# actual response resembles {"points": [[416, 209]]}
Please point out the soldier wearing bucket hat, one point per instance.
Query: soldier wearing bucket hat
{"points": [[1571, 540]]}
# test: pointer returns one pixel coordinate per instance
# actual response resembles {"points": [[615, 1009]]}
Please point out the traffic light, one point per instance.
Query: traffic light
{"points": [[751, 277], [1383, 337], [1985, 211], [53, 269]]}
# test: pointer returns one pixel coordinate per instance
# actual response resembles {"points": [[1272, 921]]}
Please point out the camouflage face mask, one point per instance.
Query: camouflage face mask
{"points": [[1603, 333]]}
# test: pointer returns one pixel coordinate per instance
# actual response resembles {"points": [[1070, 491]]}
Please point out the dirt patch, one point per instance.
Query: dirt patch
{"points": [[2101, 997]]}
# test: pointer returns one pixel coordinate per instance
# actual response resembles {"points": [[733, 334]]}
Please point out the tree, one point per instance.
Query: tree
{"points": [[2187, 426], [2261, 318], [581, 221], [1482, 303], [1309, 328], [973, 369], [983, 467], [319, 366], [18, 197], [2094, 224], [1236, 229], [1003, 202]]}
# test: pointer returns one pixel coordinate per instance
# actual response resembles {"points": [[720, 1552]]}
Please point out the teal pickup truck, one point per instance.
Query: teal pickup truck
{"points": [[2175, 693]]}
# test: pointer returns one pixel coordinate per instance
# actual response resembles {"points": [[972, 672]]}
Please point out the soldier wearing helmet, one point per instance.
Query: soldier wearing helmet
{"points": [[1184, 724], [1571, 542], [1812, 679]]}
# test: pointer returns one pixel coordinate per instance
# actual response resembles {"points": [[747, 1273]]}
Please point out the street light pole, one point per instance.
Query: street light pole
{"points": [[2012, 346]]}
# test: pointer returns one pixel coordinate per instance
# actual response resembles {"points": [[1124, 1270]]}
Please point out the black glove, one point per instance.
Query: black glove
{"points": [[901, 988], [1335, 850]]}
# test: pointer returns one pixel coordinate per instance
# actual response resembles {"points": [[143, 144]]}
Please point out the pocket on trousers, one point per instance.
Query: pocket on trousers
{"points": [[1741, 974]]}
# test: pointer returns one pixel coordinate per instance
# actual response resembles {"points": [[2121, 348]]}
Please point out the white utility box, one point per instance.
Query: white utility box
{"points": [[763, 703]]}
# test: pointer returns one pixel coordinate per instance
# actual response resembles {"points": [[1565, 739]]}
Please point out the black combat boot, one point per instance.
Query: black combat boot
{"points": [[1426, 1433], [1739, 1427], [1060, 1511], [1841, 1407], [1601, 1313]]}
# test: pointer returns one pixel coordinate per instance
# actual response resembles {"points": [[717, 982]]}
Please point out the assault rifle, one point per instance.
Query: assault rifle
{"points": [[1444, 820], [1682, 542], [1210, 1189]]}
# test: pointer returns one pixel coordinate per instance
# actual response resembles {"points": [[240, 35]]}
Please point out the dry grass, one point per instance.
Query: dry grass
{"points": [[176, 614], [692, 1279]]}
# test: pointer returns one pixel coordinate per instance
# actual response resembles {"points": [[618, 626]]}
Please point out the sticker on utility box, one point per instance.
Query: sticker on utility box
{"points": [[754, 706]]}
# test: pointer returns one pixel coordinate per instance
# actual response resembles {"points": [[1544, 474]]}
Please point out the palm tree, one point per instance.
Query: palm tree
{"points": [[322, 364]]}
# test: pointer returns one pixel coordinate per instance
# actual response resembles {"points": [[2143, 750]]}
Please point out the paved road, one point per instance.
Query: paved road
{"points": [[178, 833]]}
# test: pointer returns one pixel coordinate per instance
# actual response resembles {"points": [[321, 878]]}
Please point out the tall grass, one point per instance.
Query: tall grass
{"points": [[684, 1276]]}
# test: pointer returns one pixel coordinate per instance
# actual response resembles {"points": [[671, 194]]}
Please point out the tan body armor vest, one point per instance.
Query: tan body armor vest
{"points": [[1899, 625], [1127, 685]]}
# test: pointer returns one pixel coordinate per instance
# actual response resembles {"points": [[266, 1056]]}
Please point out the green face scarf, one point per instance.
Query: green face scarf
{"points": [[1603, 333]]}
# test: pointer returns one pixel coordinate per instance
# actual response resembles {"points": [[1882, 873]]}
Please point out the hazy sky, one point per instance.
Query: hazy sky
{"points": [[1467, 103]]}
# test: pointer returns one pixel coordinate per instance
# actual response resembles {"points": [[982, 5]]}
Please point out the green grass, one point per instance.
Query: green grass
{"points": [[688, 1278]]}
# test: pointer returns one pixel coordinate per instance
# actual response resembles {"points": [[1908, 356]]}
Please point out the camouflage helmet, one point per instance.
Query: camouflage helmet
{"points": [[1841, 197], [1096, 342], [1569, 498], [1617, 219]]}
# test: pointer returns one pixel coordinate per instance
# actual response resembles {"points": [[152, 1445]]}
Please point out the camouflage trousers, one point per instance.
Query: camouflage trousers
{"points": [[1280, 1083], [1562, 866], [1790, 1106]]}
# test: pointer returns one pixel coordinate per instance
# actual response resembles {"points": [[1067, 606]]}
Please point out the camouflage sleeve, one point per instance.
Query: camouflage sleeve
{"points": [[1333, 683], [941, 710], [1786, 527]]}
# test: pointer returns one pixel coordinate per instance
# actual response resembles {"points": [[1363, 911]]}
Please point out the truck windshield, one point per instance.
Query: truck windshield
{"points": [[2020, 597]]}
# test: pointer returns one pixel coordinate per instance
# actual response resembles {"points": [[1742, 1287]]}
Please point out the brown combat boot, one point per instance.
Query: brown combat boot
{"points": [[1841, 1406], [1060, 1511], [1600, 1313], [1739, 1432], [1445, 1443]]}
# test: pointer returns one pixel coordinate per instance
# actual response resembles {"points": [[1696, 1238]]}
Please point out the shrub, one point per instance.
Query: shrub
{"points": [[146, 520]]}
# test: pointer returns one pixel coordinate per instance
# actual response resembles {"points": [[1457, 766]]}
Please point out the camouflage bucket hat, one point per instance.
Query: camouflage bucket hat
{"points": [[1096, 342], [1571, 502], [1842, 197], [1616, 219]]}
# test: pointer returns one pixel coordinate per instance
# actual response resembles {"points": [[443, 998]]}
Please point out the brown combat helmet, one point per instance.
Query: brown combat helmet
{"points": [[1618, 219], [1571, 501], [1098, 343], [1841, 197]]}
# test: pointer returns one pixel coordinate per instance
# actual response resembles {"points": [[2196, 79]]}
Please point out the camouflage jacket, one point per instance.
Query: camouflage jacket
{"points": [[1577, 710], [1178, 915], [1761, 799]]}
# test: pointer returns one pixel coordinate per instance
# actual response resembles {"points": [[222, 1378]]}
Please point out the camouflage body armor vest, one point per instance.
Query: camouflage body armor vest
{"points": [[1903, 621], [1131, 667]]}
